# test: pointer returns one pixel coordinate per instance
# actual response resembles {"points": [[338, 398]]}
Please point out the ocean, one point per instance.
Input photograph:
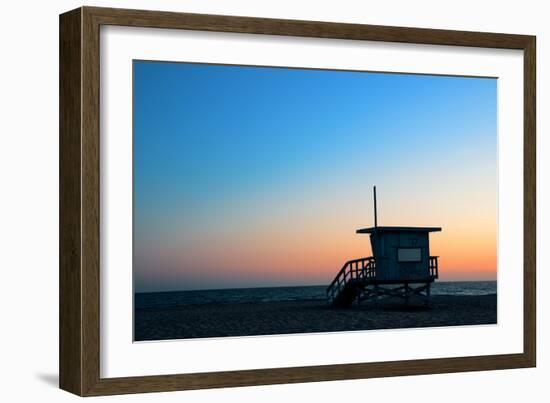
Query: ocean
{"points": [[172, 299]]}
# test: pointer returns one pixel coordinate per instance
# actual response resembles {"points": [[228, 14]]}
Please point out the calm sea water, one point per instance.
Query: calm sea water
{"points": [[172, 299]]}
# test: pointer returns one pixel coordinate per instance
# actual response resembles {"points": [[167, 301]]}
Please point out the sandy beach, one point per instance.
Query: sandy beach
{"points": [[286, 317]]}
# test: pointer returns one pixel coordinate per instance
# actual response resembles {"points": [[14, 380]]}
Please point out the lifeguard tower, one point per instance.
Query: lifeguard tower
{"points": [[401, 266]]}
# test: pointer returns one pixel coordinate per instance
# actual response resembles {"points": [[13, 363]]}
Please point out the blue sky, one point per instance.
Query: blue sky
{"points": [[229, 159]]}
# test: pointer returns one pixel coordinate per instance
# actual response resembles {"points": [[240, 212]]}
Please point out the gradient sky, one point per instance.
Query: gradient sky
{"points": [[255, 176]]}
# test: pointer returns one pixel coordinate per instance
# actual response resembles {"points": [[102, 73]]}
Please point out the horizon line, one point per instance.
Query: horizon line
{"points": [[289, 286]]}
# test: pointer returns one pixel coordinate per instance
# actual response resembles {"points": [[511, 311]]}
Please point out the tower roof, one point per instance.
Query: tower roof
{"points": [[397, 229]]}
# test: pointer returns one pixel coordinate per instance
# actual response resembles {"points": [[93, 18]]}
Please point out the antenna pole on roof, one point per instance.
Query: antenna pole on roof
{"points": [[375, 213]]}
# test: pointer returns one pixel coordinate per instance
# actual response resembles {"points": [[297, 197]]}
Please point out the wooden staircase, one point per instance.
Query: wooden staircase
{"points": [[350, 281]]}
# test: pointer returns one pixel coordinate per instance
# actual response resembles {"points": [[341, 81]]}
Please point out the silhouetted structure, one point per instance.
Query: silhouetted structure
{"points": [[401, 266]]}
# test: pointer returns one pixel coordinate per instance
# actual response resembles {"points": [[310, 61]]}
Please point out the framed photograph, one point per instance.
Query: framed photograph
{"points": [[249, 201]]}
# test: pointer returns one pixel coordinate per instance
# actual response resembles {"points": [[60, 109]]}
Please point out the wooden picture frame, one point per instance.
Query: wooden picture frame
{"points": [[79, 347]]}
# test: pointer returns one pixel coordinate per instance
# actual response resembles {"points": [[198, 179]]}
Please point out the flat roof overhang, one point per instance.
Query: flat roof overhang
{"points": [[397, 229]]}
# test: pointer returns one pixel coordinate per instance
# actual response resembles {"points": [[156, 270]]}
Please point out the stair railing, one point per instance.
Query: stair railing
{"points": [[356, 269]]}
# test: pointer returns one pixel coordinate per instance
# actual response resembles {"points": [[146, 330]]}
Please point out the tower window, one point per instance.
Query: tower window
{"points": [[409, 255]]}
